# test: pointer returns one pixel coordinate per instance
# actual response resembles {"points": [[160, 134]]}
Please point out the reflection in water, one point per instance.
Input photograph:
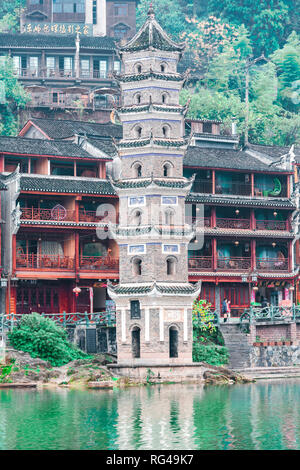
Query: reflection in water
{"points": [[264, 415]]}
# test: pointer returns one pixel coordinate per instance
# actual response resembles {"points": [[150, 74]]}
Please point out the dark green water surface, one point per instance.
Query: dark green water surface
{"points": [[263, 415]]}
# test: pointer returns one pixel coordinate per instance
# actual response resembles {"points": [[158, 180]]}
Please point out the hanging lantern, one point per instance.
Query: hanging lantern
{"points": [[237, 212], [275, 213], [76, 291], [255, 288]]}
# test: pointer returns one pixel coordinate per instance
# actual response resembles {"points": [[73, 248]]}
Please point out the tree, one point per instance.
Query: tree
{"points": [[12, 97], [267, 20], [170, 14], [10, 12]]}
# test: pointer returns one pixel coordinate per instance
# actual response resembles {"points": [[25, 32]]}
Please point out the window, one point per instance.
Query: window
{"points": [[94, 11], [137, 167], [121, 9], [50, 65], [164, 98], [138, 131], [120, 31], [85, 67], [163, 67], [207, 127], [137, 267], [136, 201], [171, 266], [170, 248], [166, 131], [169, 217], [117, 66], [138, 98], [167, 169], [132, 249], [138, 68], [137, 218], [135, 309]]}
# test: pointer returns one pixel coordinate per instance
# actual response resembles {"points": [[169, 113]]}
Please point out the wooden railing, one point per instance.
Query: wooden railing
{"points": [[243, 189], [202, 186], [272, 224], [57, 215], [272, 264], [99, 263], [91, 216], [233, 263], [33, 261], [200, 263], [199, 221], [233, 223]]}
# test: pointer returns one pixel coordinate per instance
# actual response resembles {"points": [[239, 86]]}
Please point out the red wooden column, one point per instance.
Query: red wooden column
{"points": [[213, 217], [253, 254], [288, 186], [252, 220], [213, 182], [77, 254], [290, 247], [214, 253], [14, 253], [252, 184]]}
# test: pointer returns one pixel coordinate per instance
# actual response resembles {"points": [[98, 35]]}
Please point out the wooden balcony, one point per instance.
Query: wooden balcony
{"points": [[272, 264], [57, 214], [235, 188], [39, 262], [202, 186], [200, 263], [240, 224], [99, 263], [91, 216], [272, 225], [233, 264]]}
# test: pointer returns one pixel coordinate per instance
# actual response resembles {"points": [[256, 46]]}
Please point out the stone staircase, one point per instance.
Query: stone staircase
{"points": [[237, 344], [269, 372]]}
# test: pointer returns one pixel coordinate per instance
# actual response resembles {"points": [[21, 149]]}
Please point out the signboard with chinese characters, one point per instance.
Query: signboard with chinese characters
{"points": [[171, 315], [58, 28]]}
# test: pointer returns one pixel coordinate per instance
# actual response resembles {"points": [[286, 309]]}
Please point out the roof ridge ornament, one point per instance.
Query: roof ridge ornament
{"points": [[151, 12]]}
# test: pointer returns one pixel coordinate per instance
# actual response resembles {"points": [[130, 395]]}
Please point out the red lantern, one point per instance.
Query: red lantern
{"points": [[76, 291]]}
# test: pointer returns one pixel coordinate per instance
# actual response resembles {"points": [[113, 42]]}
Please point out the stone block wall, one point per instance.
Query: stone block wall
{"points": [[274, 356], [105, 338]]}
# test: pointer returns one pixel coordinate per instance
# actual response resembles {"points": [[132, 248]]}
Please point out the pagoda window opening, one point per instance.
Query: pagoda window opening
{"points": [[173, 341], [137, 218], [138, 98], [171, 266], [163, 67], [169, 217], [136, 342], [167, 169], [164, 98], [137, 267], [138, 132], [166, 131], [137, 168], [138, 68]]}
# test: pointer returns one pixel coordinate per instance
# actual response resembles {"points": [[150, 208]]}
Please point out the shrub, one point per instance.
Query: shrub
{"points": [[214, 355], [43, 338]]}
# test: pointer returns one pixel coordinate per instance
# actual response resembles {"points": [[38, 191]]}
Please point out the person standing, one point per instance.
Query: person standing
{"points": [[225, 309]]}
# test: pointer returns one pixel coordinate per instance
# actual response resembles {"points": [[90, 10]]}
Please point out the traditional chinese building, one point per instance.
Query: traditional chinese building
{"points": [[93, 17], [57, 208]]}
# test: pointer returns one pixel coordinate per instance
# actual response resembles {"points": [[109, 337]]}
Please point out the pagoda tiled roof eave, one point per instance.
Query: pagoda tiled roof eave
{"points": [[155, 287], [150, 75]]}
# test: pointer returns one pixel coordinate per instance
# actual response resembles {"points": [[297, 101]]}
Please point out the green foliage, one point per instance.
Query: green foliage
{"points": [[12, 97], [203, 317], [171, 15], [10, 15], [214, 355], [43, 338]]}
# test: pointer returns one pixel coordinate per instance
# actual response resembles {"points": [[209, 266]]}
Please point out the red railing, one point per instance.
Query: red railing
{"points": [[233, 223], [33, 261], [91, 216], [99, 263], [56, 214], [233, 263], [200, 263], [269, 264], [272, 224], [199, 221]]}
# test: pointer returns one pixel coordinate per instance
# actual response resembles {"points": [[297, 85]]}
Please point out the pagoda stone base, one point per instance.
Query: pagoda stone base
{"points": [[169, 372]]}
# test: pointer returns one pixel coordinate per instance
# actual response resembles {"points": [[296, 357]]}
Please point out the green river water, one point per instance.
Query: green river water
{"points": [[262, 415]]}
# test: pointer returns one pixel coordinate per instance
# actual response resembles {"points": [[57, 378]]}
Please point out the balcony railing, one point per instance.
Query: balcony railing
{"points": [[199, 221], [243, 189], [202, 186], [91, 216], [99, 263], [33, 261], [271, 264], [272, 224], [233, 263], [56, 214], [200, 263], [233, 223]]}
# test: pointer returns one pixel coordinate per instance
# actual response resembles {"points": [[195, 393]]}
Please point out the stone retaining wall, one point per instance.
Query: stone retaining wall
{"points": [[274, 356]]}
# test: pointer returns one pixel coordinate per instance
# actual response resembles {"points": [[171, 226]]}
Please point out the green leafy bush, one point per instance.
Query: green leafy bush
{"points": [[43, 338], [214, 355]]}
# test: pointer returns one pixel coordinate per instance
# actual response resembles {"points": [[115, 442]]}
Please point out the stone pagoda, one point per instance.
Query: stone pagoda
{"points": [[153, 298]]}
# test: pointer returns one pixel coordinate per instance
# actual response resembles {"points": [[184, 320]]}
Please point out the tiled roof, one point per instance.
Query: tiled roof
{"points": [[65, 184], [144, 182], [145, 142], [169, 289], [44, 41], [203, 157], [151, 35], [2, 186], [175, 77], [105, 146], [26, 146], [274, 151], [240, 201], [63, 129]]}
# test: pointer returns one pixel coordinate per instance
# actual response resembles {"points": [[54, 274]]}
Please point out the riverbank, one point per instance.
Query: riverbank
{"points": [[21, 370]]}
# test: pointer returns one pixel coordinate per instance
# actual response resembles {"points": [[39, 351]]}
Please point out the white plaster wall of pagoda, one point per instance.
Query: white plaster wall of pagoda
{"points": [[153, 59], [152, 161]]}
